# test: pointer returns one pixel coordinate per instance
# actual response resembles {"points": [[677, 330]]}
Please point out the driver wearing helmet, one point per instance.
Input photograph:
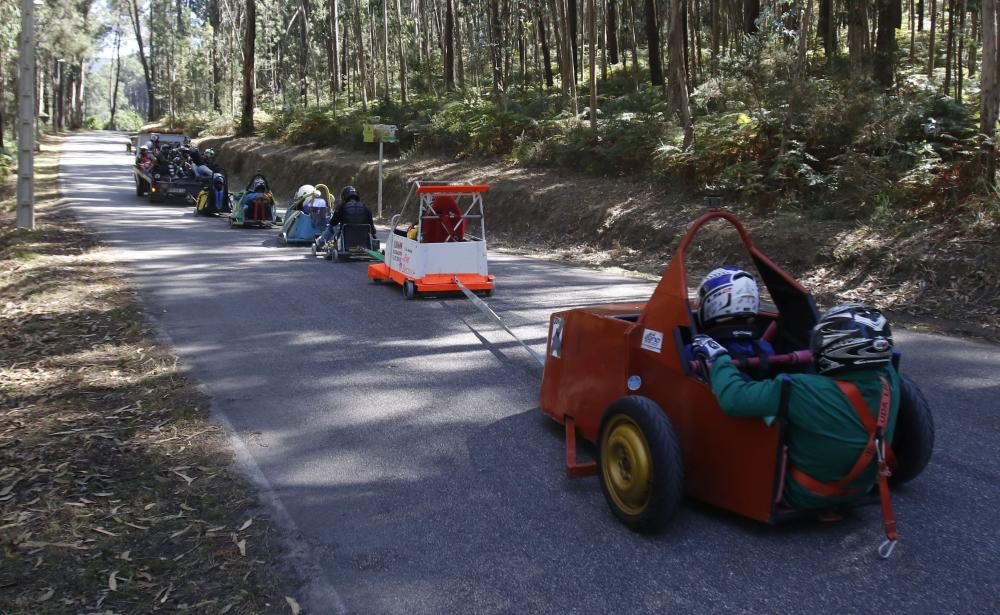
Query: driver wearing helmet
{"points": [[153, 145], [728, 302], [350, 211], [832, 415], [304, 198], [220, 199]]}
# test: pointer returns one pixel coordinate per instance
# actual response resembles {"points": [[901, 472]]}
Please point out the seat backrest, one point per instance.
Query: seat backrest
{"points": [[356, 236], [320, 216], [259, 208]]}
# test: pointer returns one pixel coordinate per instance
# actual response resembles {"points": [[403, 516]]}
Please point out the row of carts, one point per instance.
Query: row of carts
{"points": [[435, 244]]}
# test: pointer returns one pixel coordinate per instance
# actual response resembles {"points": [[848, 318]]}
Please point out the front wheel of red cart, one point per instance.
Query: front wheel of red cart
{"points": [[640, 462], [410, 289]]}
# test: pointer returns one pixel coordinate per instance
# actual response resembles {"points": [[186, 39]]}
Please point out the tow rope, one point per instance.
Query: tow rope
{"points": [[485, 309]]}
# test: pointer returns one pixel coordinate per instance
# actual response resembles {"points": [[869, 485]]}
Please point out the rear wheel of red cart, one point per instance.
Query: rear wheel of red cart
{"points": [[913, 440], [640, 464], [410, 289]]}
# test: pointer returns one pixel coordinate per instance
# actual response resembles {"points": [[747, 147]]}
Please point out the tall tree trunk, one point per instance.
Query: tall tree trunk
{"points": [[885, 45], [215, 21], [634, 43], [574, 34], [827, 28], [403, 85], [459, 62], [933, 35], [805, 19], [592, 42], [152, 110], [611, 29], [249, 74], [78, 104], [959, 51], [678, 74], [546, 56], [751, 11], [653, 43], [362, 62], [973, 43], [567, 69], [332, 55], [990, 104], [857, 31], [118, 77], [949, 47], [449, 45]]}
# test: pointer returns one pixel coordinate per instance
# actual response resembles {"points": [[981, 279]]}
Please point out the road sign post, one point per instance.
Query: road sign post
{"points": [[383, 133]]}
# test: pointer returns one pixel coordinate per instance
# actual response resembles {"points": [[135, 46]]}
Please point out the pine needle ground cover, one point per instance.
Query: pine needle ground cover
{"points": [[117, 494]]}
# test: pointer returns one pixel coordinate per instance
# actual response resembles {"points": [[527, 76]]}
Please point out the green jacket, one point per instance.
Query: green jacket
{"points": [[825, 435]]}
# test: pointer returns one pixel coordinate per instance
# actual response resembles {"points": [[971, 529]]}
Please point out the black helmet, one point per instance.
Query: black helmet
{"points": [[348, 193], [851, 336]]}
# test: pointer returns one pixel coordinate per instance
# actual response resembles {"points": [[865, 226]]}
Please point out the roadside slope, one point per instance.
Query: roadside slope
{"points": [[926, 268]]}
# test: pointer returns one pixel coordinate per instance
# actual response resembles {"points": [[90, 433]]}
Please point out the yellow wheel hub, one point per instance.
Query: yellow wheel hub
{"points": [[626, 465]]}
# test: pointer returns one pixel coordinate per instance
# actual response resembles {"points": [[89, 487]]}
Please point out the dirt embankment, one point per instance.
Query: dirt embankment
{"points": [[924, 271]]}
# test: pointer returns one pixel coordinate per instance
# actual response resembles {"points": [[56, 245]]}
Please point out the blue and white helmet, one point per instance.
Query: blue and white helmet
{"points": [[727, 292]]}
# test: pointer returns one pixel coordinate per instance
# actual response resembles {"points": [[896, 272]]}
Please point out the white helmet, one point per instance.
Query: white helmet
{"points": [[725, 293], [305, 191]]}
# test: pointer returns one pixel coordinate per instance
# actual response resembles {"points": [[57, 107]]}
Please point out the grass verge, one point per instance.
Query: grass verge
{"points": [[117, 493]]}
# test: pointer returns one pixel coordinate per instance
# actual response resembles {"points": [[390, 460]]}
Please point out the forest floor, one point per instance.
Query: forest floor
{"points": [[926, 271], [117, 492]]}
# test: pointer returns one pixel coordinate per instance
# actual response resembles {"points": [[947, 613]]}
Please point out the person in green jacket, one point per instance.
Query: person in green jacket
{"points": [[852, 349]]}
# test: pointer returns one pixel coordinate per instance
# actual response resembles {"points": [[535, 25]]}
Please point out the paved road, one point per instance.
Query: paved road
{"points": [[405, 442]]}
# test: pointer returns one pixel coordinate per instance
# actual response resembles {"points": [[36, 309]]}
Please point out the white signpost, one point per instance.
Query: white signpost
{"points": [[383, 133]]}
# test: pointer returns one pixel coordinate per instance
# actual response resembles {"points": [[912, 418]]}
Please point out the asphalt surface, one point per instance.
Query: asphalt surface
{"points": [[404, 440]]}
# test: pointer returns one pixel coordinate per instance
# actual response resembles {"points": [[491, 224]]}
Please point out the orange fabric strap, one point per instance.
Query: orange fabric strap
{"points": [[872, 426]]}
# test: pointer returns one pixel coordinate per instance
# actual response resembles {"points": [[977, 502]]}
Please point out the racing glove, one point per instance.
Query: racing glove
{"points": [[706, 348]]}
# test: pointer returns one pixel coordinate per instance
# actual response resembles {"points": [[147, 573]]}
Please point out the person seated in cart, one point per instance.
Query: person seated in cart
{"points": [[841, 420], [257, 189], [728, 303], [153, 144], [350, 211], [218, 194], [145, 159], [445, 223]]}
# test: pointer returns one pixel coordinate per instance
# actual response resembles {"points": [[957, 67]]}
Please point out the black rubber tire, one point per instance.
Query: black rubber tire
{"points": [[328, 252], [666, 484], [312, 250], [409, 289], [913, 440], [140, 187]]}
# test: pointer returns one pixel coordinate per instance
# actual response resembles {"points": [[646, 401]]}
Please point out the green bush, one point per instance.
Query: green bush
{"points": [[127, 120], [6, 164]]}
